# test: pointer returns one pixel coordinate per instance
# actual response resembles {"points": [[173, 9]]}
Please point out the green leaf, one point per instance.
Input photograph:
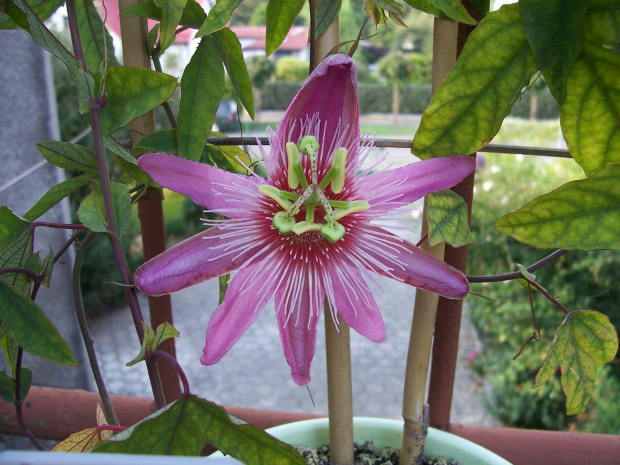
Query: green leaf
{"points": [[132, 92], [163, 332], [390, 5], [376, 14], [583, 343], [43, 9], [232, 57], [228, 157], [448, 219], [527, 278], [117, 149], [554, 29], [468, 108], [46, 269], [149, 335], [92, 209], [159, 141], [15, 248], [426, 6], [223, 282], [219, 16], [580, 215], [483, 6], [171, 12], [128, 163], [31, 327], [96, 40], [593, 101], [7, 385], [326, 13], [87, 92], [202, 88], [279, 17], [56, 194], [68, 156], [10, 347], [42, 36], [193, 14], [454, 10], [182, 428], [602, 23]]}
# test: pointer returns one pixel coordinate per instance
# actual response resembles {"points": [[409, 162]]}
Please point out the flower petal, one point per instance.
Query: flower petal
{"points": [[298, 309], [387, 190], [355, 303], [197, 259], [392, 256], [331, 92], [247, 295], [215, 189]]}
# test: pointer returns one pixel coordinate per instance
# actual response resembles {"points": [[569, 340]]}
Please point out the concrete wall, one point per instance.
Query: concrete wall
{"points": [[27, 116]]}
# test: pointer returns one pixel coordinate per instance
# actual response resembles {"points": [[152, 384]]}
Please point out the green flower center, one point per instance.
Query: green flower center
{"points": [[313, 195]]}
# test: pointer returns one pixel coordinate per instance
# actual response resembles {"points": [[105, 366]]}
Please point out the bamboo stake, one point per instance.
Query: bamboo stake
{"points": [[150, 210], [415, 409], [337, 341]]}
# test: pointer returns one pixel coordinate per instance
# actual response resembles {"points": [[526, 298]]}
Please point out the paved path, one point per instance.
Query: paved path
{"points": [[255, 374]]}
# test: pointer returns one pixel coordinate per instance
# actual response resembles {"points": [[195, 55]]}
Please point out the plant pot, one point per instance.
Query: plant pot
{"points": [[383, 432], [14, 457]]}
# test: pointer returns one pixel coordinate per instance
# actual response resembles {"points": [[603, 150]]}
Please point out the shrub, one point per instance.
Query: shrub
{"points": [[291, 69]]}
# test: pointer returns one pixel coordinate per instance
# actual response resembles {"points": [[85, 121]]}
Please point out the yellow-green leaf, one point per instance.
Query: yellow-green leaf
{"points": [[580, 215], [454, 10], [448, 219], [602, 23], [218, 17], [590, 117], [171, 12], [468, 108], [92, 209], [583, 343]]}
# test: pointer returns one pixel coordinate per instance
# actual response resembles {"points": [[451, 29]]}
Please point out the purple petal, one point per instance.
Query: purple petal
{"points": [[330, 91], [388, 190], [215, 189], [392, 256], [197, 259], [355, 303], [247, 295], [298, 323]]}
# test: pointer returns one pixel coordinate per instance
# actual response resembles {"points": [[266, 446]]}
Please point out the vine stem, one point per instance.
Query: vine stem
{"points": [[104, 180], [549, 297], [47, 224], [162, 354], [516, 275], [18, 402], [88, 341]]}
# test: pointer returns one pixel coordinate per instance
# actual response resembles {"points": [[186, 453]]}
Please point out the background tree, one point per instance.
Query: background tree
{"points": [[291, 69], [396, 70], [261, 70]]}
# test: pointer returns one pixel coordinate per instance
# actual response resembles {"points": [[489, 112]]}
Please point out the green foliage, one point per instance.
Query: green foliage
{"points": [[96, 40], [43, 9], [326, 12], [171, 12], [261, 70], [182, 428], [581, 215], [7, 386], [202, 87], [92, 211], [395, 69], [465, 113], [193, 14], [279, 17], [602, 22], [219, 16], [584, 342], [447, 219], [152, 339], [291, 69]]}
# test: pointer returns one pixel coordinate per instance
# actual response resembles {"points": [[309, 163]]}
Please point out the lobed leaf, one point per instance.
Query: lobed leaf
{"points": [[96, 40], [31, 327], [42, 36], [183, 427], [602, 22], [279, 17], [171, 13], [584, 342], [468, 108], [232, 57], [132, 92], [152, 339], [92, 209], [202, 88], [56, 194], [149, 336], [218, 17], [42, 8], [554, 29], [326, 12], [448, 219], [590, 117], [427, 7], [580, 215]]}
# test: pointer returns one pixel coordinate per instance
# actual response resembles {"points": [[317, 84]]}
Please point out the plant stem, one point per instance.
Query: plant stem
{"points": [[25, 271], [18, 402], [167, 108], [339, 390], [88, 341], [104, 180], [162, 354], [46, 224], [549, 297], [517, 275]]}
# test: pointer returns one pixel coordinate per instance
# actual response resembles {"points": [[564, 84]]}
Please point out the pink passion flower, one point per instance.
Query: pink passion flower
{"points": [[307, 234]]}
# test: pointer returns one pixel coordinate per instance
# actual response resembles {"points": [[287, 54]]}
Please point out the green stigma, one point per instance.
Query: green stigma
{"points": [[314, 193]]}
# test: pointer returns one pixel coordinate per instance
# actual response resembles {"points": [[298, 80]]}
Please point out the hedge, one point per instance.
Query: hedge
{"points": [[377, 98]]}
